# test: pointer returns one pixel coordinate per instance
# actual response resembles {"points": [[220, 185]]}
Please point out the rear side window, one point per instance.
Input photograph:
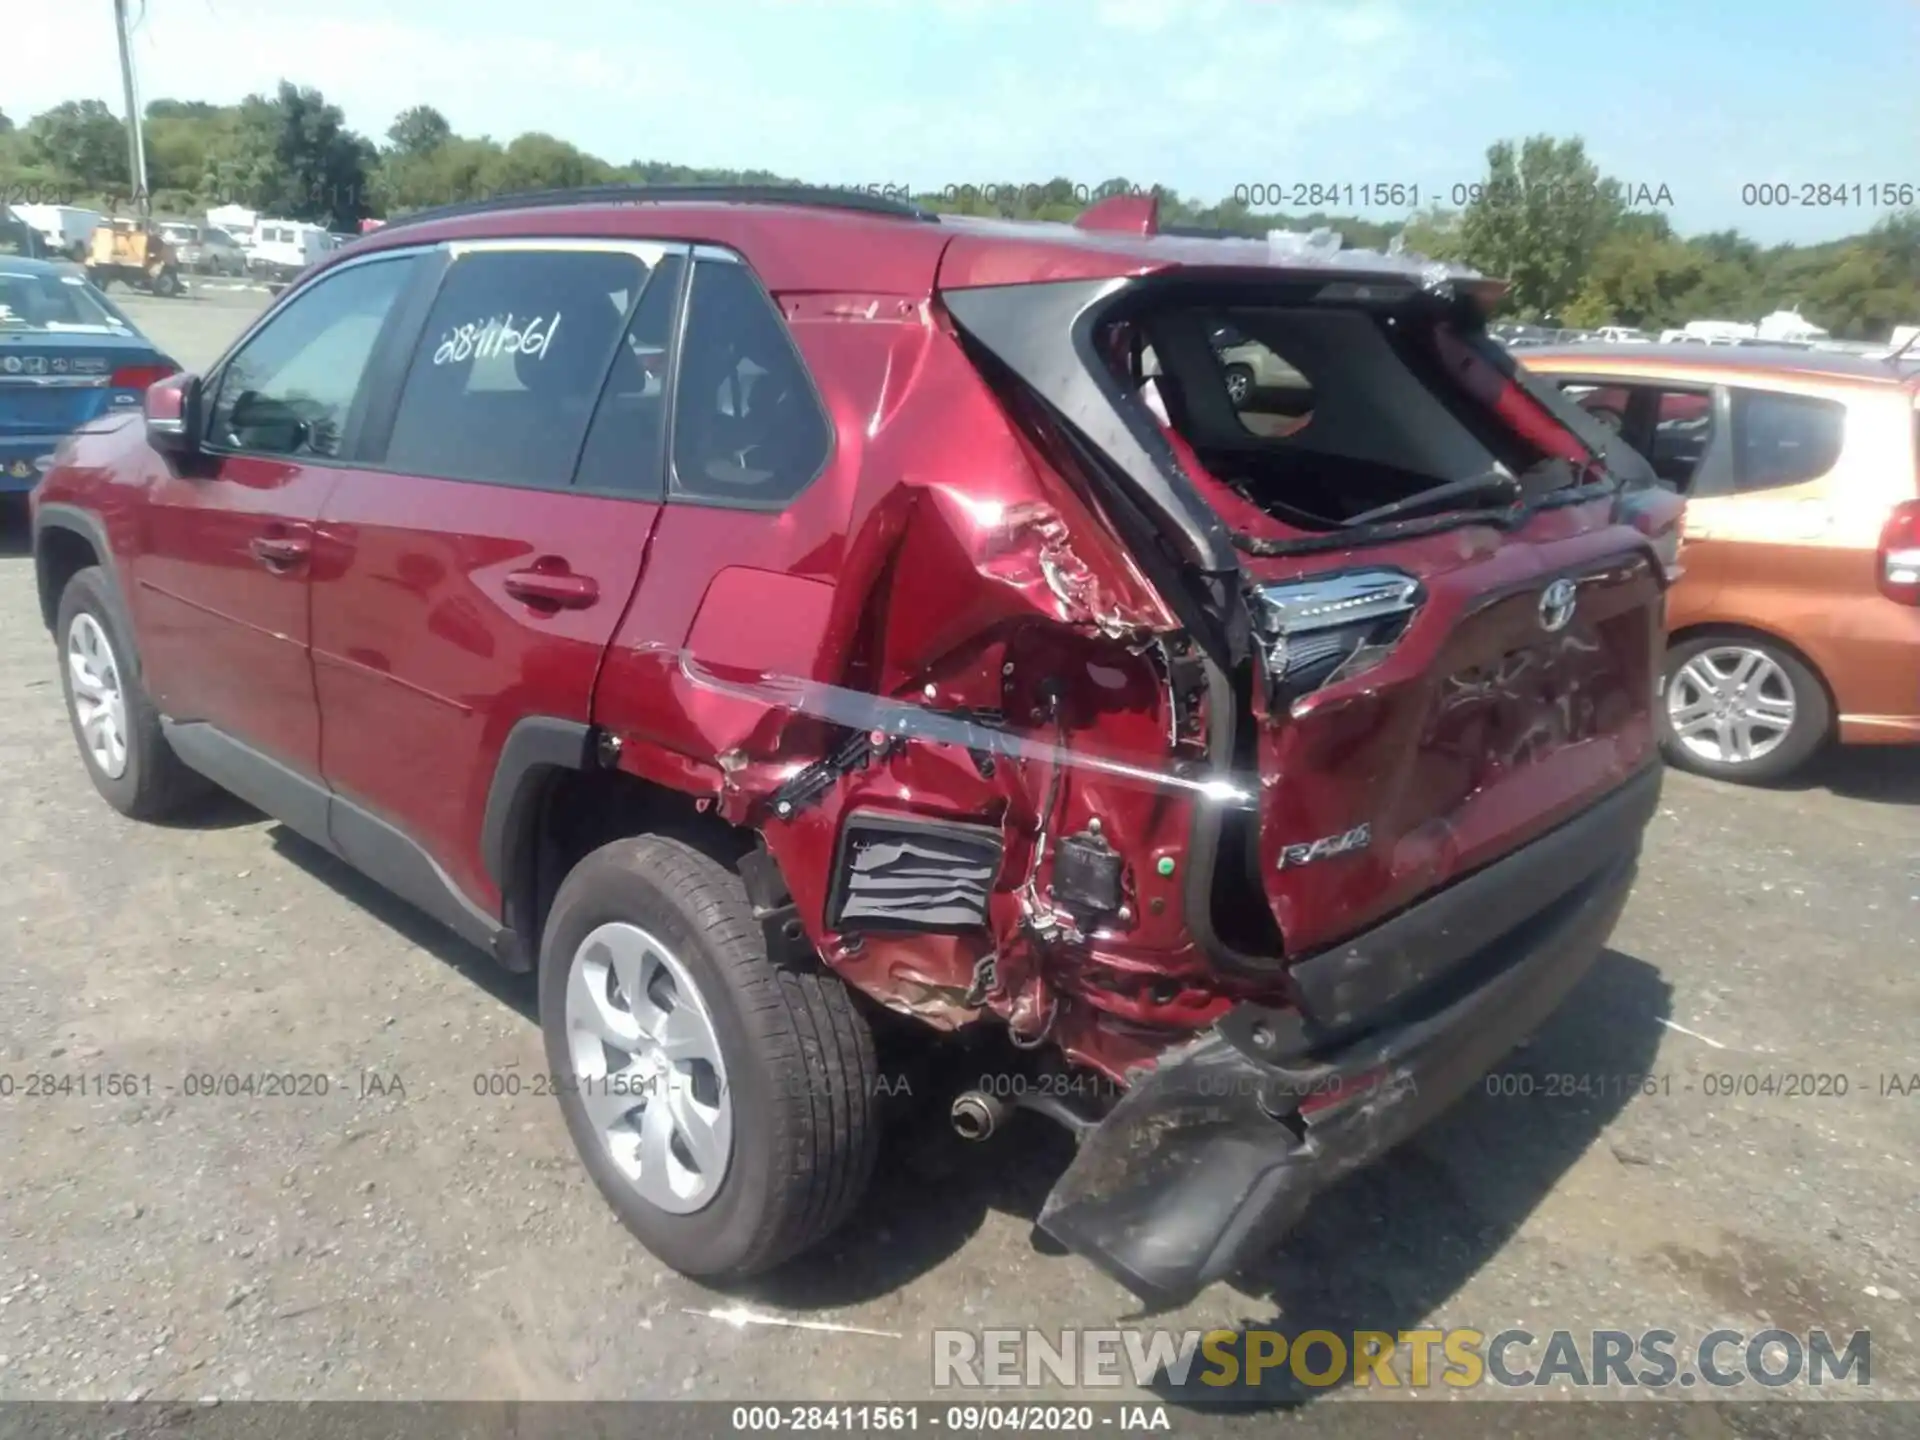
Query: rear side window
{"points": [[290, 388], [510, 364], [1784, 439], [748, 428]]}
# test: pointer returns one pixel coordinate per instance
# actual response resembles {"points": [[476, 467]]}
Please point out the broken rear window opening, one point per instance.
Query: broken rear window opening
{"points": [[1329, 424]]}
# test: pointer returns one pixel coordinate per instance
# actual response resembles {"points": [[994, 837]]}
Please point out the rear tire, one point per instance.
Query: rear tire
{"points": [[114, 723], [1739, 707], [791, 1087]]}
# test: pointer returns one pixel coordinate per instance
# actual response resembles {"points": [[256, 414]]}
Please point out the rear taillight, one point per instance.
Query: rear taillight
{"points": [[1899, 559], [1317, 631], [139, 377]]}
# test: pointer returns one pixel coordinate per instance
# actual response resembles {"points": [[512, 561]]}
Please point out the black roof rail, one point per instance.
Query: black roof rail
{"points": [[821, 197]]}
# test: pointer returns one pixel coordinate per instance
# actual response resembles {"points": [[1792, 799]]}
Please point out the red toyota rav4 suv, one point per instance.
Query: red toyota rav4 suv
{"points": [[762, 611]]}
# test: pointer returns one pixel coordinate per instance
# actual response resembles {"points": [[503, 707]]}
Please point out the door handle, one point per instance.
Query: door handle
{"points": [[556, 587], [276, 552]]}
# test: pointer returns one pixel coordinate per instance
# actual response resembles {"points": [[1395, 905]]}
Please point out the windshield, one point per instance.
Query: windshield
{"points": [[56, 304]]}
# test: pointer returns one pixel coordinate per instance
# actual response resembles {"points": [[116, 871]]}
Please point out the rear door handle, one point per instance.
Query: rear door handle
{"points": [[277, 552], [557, 587]]}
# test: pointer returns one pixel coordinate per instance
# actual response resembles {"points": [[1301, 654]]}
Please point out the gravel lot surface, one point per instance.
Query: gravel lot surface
{"points": [[401, 1236]]}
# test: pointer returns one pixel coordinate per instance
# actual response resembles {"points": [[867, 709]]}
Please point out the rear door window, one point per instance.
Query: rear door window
{"points": [[748, 427], [1782, 439], [625, 448], [1682, 434], [509, 367]]}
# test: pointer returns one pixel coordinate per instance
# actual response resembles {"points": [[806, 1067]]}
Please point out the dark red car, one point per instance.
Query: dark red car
{"points": [[775, 616]]}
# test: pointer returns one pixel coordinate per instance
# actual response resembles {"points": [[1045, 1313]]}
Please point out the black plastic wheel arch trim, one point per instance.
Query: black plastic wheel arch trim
{"points": [[535, 745], [89, 527]]}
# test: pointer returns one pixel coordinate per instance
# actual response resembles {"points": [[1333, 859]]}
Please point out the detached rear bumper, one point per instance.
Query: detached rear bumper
{"points": [[1211, 1157]]}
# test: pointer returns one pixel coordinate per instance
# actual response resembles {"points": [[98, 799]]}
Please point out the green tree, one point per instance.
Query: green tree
{"points": [[456, 170], [82, 141], [1637, 277], [535, 161], [182, 137], [1873, 284], [416, 131], [293, 156], [1541, 213], [1435, 233], [183, 110]]}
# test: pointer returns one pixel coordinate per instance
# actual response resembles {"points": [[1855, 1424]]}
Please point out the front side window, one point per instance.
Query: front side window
{"points": [[748, 428], [289, 389], [1607, 404], [510, 364], [1682, 435]]}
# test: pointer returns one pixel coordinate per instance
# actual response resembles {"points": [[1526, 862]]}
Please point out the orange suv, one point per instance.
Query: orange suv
{"points": [[1797, 620]]}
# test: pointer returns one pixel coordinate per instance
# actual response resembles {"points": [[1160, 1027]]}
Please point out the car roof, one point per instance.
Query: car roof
{"points": [[798, 238], [1722, 360]]}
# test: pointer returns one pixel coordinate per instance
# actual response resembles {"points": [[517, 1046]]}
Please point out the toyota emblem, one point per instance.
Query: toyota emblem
{"points": [[1557, 603]]}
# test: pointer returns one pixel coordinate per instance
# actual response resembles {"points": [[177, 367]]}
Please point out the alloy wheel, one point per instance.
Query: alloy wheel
{"points": [[648, 1067], [1731, 705], [99, 700]]}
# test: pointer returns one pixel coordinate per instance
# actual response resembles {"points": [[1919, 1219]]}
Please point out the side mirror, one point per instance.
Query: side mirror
{"points": [[173, 415]]}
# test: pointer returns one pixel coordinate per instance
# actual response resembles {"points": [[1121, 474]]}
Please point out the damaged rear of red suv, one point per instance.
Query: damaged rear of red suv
{"points": [[1206, 664]]}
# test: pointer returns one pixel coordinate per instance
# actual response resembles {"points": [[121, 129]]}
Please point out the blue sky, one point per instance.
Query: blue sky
{"points": [[1701, 96]]}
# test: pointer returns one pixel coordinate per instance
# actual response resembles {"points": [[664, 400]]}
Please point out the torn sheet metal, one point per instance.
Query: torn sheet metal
{"points": [[859, 710]]}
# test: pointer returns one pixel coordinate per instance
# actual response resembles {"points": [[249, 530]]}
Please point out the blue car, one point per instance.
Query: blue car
{"points": [[68, 355]]}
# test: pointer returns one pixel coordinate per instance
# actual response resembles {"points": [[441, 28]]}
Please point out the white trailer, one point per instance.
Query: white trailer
{"points": [[67, 229]]}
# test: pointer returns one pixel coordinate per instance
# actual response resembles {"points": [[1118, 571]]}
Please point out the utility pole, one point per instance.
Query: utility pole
{"points": [[136, 142]]}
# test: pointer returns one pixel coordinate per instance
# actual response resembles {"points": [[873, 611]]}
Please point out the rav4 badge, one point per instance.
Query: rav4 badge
{"points": [[1326, 847]]}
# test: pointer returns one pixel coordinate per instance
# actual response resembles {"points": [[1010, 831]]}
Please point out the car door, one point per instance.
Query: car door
{"points": [[467, 584], [1684, 432], [220, 579], [741, 573], [1767, 532]]}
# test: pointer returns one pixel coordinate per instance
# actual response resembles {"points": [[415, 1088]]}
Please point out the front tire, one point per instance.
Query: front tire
{"points": [[1738, 707], [114, 723], [725, 1107]]}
